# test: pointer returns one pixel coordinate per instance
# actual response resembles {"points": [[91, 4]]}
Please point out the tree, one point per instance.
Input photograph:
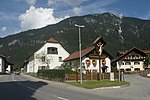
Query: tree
{"points": [[147, 60], [44, 58]]}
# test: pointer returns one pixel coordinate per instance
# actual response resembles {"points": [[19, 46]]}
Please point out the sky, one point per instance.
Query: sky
{"points": [[22, 15]]}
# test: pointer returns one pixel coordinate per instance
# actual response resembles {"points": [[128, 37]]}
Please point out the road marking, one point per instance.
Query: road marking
{"points": [[32, 89], [19, 83], [62, 98]]}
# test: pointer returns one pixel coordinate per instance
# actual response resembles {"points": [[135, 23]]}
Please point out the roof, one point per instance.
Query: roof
{"points": [[99, 39], [9, 63], [146, 51], [122, 52], [125, 51], [31, 57], [76, 54], [52, 40], [128, 52], [2, 56]]}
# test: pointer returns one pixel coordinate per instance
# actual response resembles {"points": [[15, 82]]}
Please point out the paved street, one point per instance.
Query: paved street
{"points": [[22, 87], [139, 89]]}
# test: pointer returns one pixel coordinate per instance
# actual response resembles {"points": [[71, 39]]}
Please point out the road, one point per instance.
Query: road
{"points": [[22, 87]]}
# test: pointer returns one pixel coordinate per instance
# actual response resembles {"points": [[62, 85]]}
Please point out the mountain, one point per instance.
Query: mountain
{"points": [[135, 33]]}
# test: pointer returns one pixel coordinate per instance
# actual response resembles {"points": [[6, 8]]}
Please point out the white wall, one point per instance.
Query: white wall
{"points": [[132, 66], [9, 68], [91, 67], [33, 65], [30, 66], [1, 65], [108, 63]]}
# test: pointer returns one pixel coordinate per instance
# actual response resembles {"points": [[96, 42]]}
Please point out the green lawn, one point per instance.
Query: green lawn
{"points": [[97, 84]]}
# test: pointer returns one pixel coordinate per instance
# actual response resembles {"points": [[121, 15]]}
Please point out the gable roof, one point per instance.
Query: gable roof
{"points": [[2, 56], [128, 52], [76, 54], [99, 39], [52, 40], [125, 51], [146, 51], [31, 57], [9, 63]]}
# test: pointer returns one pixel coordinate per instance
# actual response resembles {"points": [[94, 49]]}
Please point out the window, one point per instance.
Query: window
{"points": [[43, 59], [122, 63], [127, 63], [52, 50], [42, 67], [60, 59], [70, 63], [136, 63]]}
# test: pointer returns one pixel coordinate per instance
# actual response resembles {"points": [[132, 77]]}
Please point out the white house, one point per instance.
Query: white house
{"points": [[5, 66], [2, 64], [132, 60], [49, 56], [90, 59]]}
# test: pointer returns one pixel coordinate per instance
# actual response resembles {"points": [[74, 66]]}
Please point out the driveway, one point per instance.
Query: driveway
{"points": [[139, 89]]}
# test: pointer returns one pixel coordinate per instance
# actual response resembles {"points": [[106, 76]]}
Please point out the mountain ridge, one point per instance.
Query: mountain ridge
{"points": [[135, 33]]}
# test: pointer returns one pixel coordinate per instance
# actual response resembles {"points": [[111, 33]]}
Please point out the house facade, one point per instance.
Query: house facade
{"points": [[91, 60], [130, 61], [5, 66], [2, 64], [49, 56]]}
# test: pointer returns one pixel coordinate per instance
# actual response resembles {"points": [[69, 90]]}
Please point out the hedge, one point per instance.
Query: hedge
{"points": [[54, 74]]}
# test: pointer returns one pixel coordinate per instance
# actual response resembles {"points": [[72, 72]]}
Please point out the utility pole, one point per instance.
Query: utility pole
{"points": [[80, 26]]}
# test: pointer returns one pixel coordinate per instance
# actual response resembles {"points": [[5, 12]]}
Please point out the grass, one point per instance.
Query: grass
{"points": [[97, 84]]}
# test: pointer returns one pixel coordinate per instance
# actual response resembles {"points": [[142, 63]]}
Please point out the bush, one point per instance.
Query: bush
{"points": [[69, 71], [54, 75]]}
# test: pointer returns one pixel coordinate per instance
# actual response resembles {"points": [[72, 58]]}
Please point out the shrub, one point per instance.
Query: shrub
{"points": [[54, 74]]}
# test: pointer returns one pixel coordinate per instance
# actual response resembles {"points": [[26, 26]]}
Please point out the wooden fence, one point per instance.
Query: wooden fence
{"points": [[145, 72], [91, 76]]}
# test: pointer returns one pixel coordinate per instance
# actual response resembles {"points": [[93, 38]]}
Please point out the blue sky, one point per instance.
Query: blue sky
{"points": [[22, 15]]}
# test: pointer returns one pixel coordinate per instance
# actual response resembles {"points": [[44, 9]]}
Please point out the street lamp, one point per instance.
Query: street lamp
{"points": [[80, 26], [119, 65]]}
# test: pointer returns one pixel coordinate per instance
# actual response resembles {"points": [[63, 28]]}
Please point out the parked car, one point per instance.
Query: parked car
{"points": [[17, 72]]}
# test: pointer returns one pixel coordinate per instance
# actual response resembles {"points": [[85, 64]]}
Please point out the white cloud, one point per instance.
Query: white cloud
{"points": [[37, 18], [77, 10], [3, 29], [31, 2]]}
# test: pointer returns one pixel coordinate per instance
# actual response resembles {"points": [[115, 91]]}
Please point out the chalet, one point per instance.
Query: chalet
{"points": [[90, 58], [132, 60], [49, 56]]}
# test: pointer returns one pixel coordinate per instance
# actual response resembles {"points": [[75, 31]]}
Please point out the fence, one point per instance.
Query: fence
{"points": [[145, 72], [90, 76]]}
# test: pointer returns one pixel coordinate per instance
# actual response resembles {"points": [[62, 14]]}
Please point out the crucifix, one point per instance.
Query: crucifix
{"points": [[99, 45]]}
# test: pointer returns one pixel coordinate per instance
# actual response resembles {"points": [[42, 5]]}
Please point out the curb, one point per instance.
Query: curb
{"points": [[112, 87]]}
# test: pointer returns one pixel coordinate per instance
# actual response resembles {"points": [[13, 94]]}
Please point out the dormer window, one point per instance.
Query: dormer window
{"points": [[52, 50]]}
